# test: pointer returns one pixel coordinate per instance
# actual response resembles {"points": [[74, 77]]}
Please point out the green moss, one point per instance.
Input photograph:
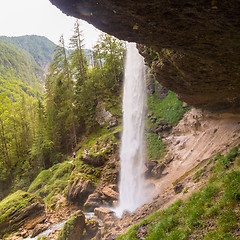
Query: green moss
{"points": [[52, 181], [12, 204], [156, 149], [169, 109]]}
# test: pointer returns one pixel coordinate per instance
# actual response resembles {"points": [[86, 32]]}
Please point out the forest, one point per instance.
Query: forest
{"points": [[42, 124]]}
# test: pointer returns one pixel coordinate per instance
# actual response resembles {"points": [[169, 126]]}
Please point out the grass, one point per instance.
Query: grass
{"points": [[52, 181], [169, 109], [210, 213], [156, 149]]}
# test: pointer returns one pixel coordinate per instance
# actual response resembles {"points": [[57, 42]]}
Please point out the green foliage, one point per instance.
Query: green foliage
{"points": [[52, 181], [17, 74], [15, 202], [156, 149], [169, 109], [216, 203]]}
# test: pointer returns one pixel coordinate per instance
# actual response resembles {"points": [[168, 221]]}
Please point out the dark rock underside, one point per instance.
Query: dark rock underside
{"points": [[198, 42]]}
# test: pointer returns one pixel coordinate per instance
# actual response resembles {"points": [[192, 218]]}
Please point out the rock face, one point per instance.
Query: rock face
{"points": [[73, 228], [192, 46], [21, 209], [79, 190]]}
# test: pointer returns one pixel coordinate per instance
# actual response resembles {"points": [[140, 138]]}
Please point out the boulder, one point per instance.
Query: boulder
{"points": [[92, 228], [102, 212], [21, 209], [178, 188], [95, 161], [92, 202], [79, 190], [157, 170], [39, 228], [109, 192], [149, 166], [73, 228]]}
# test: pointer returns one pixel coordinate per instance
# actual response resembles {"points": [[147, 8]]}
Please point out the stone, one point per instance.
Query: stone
{"points": [[38, 229], [157, 170], [92, 202], [178, 188], [95, 161], [79, 190], [73, 228], [92, 228], [110, 193], [117, 135], [104, 116], [150, 85], [161, 92], [153, 119], [150, 165], [102, 212]]}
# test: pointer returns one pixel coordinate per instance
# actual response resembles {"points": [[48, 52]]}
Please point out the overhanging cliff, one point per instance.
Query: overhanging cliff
{"points": [[193, 46]]}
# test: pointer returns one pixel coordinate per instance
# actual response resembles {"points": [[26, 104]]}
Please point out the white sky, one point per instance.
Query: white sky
{"points": [[40, 17]]}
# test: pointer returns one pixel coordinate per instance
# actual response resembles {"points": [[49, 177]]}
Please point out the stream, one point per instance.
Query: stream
{"points": [[57, 226]]}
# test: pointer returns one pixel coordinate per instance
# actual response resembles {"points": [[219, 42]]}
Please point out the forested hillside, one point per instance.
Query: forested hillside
{"points": [[39, 129], [39, 48]]}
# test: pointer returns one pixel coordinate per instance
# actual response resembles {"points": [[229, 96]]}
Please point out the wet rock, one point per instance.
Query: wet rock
{"points": [[150, 165], [125, 214], [92, 228], [102, 212], [157, 170], [178, 188], [92, 202], [39, 228], [109, 192], [73, 228], [79, 190]]}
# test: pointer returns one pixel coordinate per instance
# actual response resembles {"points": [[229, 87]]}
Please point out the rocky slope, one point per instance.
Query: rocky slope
{"points": [[192, 46]]}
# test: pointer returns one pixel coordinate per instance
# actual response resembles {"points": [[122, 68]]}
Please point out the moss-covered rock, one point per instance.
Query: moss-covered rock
{"points": [[20, 209], [73, 228]]}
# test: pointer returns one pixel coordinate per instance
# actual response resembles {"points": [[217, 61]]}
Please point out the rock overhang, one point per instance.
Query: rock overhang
{"points": [[193, 47]]}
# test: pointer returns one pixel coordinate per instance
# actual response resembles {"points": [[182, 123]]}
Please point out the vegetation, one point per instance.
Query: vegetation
{"points": [[14, 205], [210, 213], [169, 109], [36, 134]]}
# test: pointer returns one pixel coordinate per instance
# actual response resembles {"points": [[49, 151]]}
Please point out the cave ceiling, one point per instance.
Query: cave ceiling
{"points": [[193, 47]]}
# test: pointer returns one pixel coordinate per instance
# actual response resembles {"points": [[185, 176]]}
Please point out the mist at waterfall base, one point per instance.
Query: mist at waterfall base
{"points": [[132, 190]]}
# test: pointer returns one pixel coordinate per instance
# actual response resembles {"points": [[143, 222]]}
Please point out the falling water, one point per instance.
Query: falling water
{"points": [[132, 183]]}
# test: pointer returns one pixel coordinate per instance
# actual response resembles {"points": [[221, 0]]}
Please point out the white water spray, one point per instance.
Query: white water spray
{"points": [[132, 183]]}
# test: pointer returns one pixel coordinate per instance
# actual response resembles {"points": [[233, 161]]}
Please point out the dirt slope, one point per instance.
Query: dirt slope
{"points": [[198, 137]]}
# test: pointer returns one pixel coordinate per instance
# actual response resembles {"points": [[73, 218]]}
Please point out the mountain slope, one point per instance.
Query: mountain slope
{"points": [[39, 47], [23, 62]]}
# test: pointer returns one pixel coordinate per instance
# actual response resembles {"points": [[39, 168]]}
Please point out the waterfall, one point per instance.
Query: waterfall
{"points": [[132, 183]]}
